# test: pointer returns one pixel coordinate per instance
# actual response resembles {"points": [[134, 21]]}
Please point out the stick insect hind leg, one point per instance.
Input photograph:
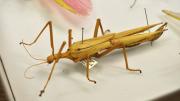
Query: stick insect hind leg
{"points": [[126, 61], [125, 57]]}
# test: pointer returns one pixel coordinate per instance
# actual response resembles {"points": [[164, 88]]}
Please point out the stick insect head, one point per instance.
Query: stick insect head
{"points": [[55, 57], [50, 59]]}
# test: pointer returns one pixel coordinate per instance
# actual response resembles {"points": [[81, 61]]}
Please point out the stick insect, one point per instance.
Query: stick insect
{"points": [[97, 46]]}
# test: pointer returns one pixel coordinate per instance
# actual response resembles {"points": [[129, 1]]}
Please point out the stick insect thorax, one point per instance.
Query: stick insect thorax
{"points": [[51, 58], [56, 57]]}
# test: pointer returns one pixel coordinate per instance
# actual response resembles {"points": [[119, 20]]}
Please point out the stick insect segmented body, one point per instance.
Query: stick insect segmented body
{"points": [[98, 46]]}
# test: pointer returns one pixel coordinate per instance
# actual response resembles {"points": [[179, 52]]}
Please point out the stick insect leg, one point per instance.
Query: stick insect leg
{"points": [[59, 52], [87, 71], [126, 61], [49, 23], [49, 77], [98, 55], [98, 24]]}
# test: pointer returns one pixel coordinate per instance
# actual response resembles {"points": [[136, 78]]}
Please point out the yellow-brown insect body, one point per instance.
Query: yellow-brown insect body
{"points": [[90, 47], [97, 46]]}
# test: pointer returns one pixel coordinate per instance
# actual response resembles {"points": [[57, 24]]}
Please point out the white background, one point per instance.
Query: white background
{"points": [[160, 63]]}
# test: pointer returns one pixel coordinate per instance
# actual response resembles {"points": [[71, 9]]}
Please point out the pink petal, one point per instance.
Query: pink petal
{"points": [[83, 7]]}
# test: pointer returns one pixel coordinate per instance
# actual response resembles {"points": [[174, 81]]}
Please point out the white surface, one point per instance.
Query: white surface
{"points": [[23, 19]]}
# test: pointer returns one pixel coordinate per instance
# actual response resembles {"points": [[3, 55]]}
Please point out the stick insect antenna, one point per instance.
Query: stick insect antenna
{"points": [[26, 71], [31, 55]]}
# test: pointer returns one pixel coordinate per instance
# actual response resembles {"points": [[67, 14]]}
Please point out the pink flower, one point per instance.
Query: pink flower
{"points": [[82, 7]]}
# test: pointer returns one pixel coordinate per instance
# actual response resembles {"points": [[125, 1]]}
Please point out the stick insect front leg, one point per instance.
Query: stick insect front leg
{"points": [[49, 78], [49, 23], [126, 61], [55, 62], [87, 71]]}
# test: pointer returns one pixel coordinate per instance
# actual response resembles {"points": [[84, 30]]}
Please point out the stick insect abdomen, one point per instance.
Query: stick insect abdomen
{"points": [[134, 31], [127, 41], [137, 38], [101, 39]]}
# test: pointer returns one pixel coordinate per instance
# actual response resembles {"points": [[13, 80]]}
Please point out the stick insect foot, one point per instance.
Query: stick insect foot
{"points": [[126, 61], [138, 70], [21, 42], [87, 71], [92, 81], [41, 92]]}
